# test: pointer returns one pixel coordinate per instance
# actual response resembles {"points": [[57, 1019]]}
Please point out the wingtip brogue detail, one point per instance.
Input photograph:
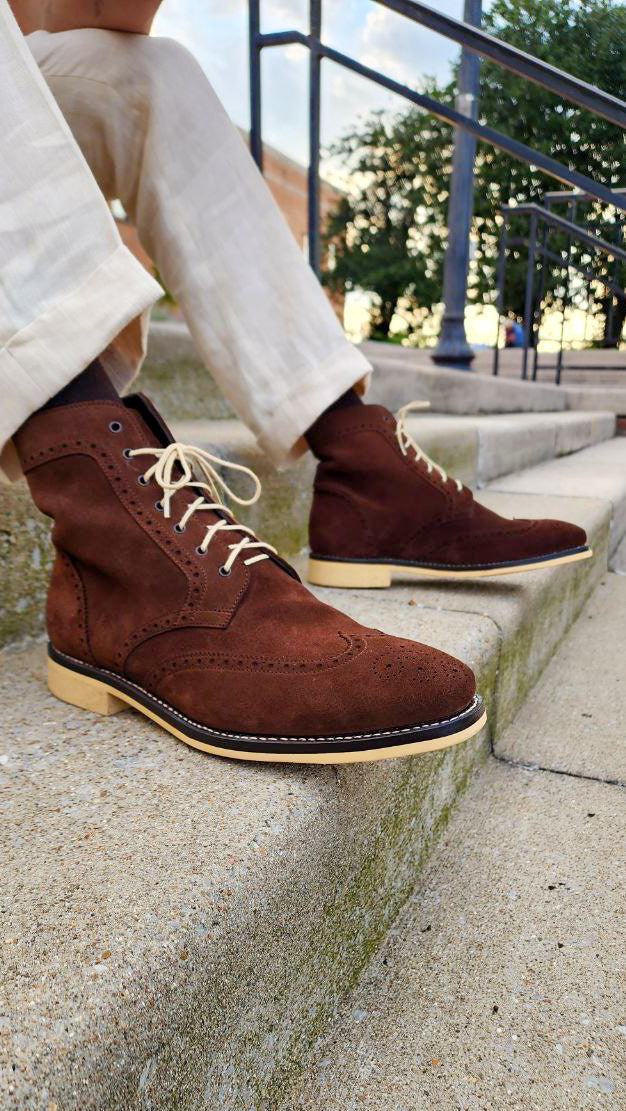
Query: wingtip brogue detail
{"points": [[161, 601]]}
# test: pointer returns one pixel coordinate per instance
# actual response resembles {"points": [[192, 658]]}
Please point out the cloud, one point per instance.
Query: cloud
{"points": [[217, 34], [406, 51]]}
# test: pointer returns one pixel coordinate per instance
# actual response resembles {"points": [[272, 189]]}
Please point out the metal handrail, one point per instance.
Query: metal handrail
{"points": [[468, 36], [559, 222], [510, 57], [549, 219]]}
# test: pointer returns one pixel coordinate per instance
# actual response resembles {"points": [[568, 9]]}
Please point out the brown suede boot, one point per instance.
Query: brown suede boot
{"points": [[160, 601], [382, 505]]}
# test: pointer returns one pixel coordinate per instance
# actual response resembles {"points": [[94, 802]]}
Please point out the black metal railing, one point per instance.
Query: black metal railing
{"points": [[467, 36], [542, 218]]}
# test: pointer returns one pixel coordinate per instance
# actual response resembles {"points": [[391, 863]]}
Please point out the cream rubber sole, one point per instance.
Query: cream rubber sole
{"points": [[365, 575], [102, 697]]}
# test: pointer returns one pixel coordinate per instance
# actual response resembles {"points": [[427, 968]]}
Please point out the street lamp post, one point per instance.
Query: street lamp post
{"points": [[453, 348]]}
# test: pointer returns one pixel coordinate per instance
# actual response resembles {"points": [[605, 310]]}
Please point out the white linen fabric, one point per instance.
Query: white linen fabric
{"points": [[146, 127]]}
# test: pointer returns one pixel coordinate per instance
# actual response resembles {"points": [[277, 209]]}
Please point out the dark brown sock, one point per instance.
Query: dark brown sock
{"points": [[92, 384], [346, 401]]}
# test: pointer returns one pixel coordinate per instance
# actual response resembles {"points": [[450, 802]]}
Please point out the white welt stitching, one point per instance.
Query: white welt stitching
{"points": [[262, 737]]}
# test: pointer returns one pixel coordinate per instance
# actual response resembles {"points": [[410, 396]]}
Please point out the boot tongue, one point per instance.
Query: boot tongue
{"points": [[140, 404], [157, 430]]}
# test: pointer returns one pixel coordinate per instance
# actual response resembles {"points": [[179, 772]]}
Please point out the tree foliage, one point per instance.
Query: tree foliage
{"points": [[390, 231]]}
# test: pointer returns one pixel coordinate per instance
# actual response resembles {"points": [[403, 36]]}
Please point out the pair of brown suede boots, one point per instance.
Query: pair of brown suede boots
{"points": [[160, 601]]}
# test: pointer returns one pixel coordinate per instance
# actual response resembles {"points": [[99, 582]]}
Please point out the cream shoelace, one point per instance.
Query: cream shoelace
{"points": [[194, 461], [406, 441]]}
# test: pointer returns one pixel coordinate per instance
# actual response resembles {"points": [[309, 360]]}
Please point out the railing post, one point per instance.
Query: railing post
{"points": [[500, 290], [558, 369], [530, 291], [314, 221], [254, 30], [453, 347], [545, 234]]}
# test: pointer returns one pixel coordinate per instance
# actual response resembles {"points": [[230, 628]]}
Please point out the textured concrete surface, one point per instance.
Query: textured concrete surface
{"points": [[575, 718], [175, 378], [594, 397], [499, 443], [176, 928], [596, 472], [532, 611], [403, 373], [511, 443], [25, 563], [617, 562], [501, 985]]}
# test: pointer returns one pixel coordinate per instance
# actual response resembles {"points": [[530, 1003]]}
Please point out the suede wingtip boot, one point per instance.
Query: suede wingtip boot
{"points": [[161, 601], [381, 506]]}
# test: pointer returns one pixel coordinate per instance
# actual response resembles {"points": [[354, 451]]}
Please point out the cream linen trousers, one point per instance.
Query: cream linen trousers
{"points": [[146, 127]]}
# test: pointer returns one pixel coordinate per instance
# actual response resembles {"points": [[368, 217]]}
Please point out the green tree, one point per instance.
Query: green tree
{"points": [[390, 231], [588, 40], [387, 232]]}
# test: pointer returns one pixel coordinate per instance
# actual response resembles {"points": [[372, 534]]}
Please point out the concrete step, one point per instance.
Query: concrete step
{"points": [[402, 370], [617, 562], [179, 929], [177, 380], [501, 984], [176, 929], [597, 471], [574, 722], [474, 449]]}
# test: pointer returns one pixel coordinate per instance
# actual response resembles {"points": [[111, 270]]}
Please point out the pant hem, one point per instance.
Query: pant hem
{"points": [[49, 352], [282, 437]]}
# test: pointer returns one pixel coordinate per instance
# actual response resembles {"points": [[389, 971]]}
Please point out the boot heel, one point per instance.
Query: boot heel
{"points": [[326, 572], [82, 691]]}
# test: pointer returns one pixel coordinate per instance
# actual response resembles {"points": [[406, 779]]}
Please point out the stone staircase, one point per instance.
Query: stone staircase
{"points": [[180, 931], [500, 984]]}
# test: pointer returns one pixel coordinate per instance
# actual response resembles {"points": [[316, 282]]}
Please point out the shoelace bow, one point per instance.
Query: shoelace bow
{"points": [[192, 461], [406, 441]]}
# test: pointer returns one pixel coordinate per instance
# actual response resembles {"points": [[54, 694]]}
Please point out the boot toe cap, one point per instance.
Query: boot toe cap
{"points": [[551, 536], [409, 683]]}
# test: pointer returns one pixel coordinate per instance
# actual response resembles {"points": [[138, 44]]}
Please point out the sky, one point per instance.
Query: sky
{"points": [[216, 33]]}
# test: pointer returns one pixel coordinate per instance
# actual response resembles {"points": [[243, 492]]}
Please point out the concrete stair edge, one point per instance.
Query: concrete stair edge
{"points": [[181, 386]]}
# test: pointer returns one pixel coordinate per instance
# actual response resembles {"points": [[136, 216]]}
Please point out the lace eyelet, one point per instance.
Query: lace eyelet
{"points": [[126, 454], [158, 505], [177, 528], [201, 551], [115, 426], [225, 573], [142, 480]]}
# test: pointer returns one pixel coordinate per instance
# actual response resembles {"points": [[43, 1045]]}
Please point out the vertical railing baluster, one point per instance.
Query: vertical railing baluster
{"points": [[545, 234], [314, 220], [500, 290], [530, 291], [558, 369], [254, 30]]}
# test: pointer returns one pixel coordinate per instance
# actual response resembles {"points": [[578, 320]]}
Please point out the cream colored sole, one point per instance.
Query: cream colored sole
{"points": [[326, 572], [97, 696]]}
